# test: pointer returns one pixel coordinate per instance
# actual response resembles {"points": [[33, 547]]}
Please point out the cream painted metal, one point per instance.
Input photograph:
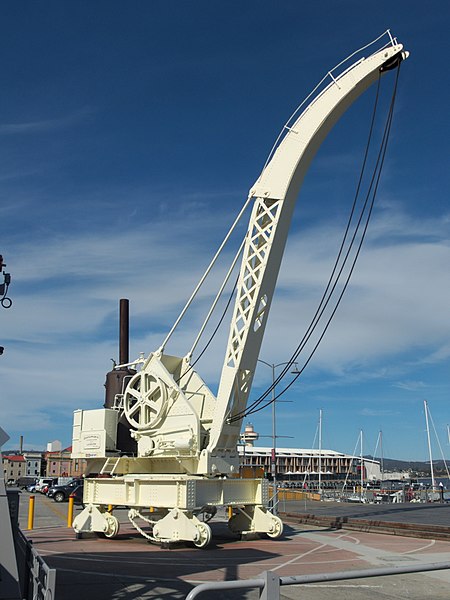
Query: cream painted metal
{"points": [[179, 500], [186, 437]]}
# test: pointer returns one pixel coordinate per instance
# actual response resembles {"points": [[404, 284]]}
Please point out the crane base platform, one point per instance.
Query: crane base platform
{"points": [[174, 508]]}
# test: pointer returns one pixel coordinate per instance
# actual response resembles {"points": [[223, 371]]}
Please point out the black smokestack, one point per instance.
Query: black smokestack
{"points": [[124, 331], [117, 380]]}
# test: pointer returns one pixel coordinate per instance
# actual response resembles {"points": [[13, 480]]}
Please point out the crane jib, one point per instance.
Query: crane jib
{"points": [[275, 193]]}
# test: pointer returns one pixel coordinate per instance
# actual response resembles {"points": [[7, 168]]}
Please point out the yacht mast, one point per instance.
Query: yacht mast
{"points": [[362, 466], [429, 444], [320, 451], [381, 455]]}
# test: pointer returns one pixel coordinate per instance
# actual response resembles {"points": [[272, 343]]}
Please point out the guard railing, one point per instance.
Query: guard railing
{"points": [[269, 583]]}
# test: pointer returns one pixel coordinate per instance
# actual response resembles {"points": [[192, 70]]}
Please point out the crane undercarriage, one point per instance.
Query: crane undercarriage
{"points": [[174, 508]]}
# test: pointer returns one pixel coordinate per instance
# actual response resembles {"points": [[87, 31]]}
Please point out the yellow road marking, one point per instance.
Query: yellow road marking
{"points": [[54, 507]]}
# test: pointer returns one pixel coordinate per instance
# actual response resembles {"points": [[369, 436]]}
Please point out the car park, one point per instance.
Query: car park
{"points": [[60, 493]]}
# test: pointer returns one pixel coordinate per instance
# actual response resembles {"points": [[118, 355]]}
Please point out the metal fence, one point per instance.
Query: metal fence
{"points": [[366, 496], [269, 584], [37, 580]]}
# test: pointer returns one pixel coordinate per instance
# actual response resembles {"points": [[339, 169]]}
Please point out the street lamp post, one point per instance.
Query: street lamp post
{"points": [[273, 457]]}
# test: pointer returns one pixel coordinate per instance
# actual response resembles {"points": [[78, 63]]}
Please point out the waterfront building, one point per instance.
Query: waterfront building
{"points": [[14, 466], [298, 464]]}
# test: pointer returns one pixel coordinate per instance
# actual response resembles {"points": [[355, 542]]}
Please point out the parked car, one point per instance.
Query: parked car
{"points": [[42, 482], [59, 493], [77, 495]]}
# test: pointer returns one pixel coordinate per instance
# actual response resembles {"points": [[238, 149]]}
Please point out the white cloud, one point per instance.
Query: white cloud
{"points": [[411, 385], [66, 287], [45, 125]]}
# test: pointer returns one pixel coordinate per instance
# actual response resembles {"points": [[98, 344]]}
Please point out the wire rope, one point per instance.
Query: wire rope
{"points": [[257, 405]]}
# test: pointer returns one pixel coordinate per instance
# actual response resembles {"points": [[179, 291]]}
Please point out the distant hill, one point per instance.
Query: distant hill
{"points": [[420, 467]]}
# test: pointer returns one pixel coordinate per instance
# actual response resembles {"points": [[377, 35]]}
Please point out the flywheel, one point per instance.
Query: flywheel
{"points": [[145, 401]]}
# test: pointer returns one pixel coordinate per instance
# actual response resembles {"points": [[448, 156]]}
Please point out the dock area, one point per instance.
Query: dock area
{"points": [[427, 520]]}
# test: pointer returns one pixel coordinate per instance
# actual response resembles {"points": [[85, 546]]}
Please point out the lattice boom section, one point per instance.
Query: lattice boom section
{"points": [[262, 229]]}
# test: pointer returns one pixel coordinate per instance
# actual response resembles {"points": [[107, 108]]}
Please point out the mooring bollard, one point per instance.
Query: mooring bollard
{"points": [[230, 512], [70, 512], [31, 513]]}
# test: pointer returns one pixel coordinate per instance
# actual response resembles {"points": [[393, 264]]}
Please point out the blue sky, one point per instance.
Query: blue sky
{"points": [[130, 134]]}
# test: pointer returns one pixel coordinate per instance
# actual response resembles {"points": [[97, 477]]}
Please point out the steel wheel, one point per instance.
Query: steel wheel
{"points": [[113, 527], [277, 528], [204, 535]]}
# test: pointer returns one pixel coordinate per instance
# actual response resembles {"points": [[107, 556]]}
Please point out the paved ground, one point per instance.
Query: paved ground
{"points": [[427, 514], [129, 567]]}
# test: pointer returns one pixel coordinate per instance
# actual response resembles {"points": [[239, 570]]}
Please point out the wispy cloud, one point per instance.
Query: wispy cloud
{"points": [[374, 412], [411, 386], [45, 125], [64, 300]]}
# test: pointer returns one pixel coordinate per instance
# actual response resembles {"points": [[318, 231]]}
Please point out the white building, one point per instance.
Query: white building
{"points": [[33, 464], [54, 446], [296, 463]]}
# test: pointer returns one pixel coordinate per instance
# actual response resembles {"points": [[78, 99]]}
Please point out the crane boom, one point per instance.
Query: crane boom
{"points": [[275, 193]]}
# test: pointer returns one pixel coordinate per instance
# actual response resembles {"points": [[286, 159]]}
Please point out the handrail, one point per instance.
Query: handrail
{"points": [[334, 81], [37, 579], [270, 583]]}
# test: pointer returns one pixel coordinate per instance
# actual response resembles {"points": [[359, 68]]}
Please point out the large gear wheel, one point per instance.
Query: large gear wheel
{"points": [[145, 401]]}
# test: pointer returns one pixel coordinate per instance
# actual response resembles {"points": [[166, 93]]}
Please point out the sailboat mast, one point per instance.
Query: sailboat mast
{"points": [[381, 453], [362, 464], [320, 451], [429, 444]]}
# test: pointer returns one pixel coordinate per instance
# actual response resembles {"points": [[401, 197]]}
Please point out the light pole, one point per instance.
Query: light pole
{"points": [[273, 457]]}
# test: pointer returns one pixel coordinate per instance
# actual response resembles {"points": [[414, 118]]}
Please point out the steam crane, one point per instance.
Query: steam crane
{"points": [[181, 457]]}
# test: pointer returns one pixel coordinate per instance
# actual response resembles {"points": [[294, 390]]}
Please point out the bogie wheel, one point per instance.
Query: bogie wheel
{"points": [[59, 497], [277, 528], [204, 535], [113, 527]]}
